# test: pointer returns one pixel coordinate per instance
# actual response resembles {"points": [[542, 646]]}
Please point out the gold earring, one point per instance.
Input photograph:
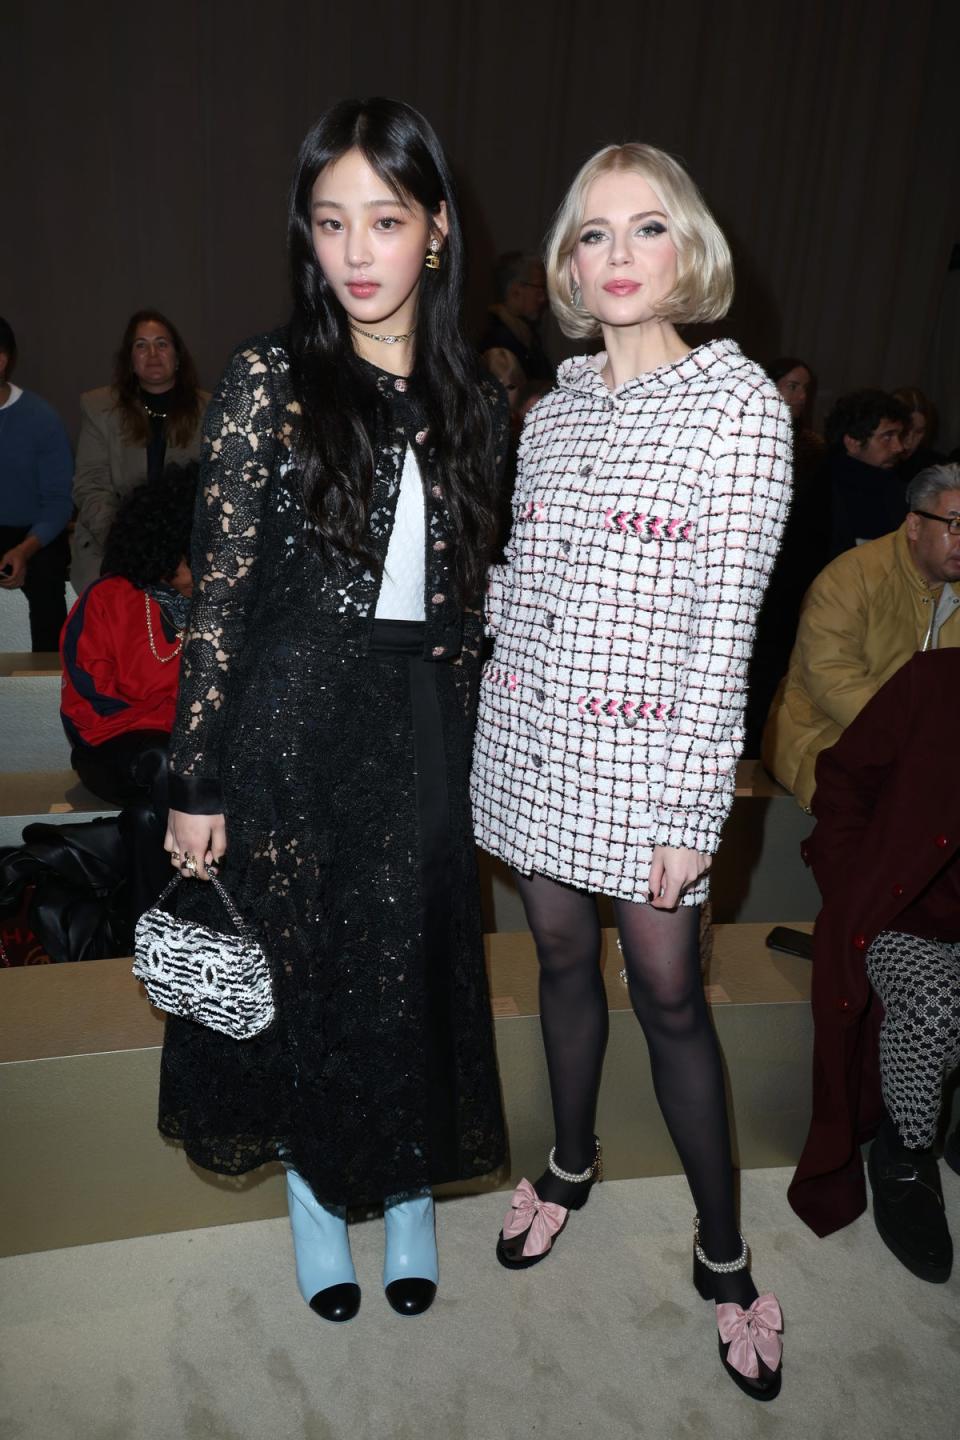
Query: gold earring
{"points": [[432, 261]]}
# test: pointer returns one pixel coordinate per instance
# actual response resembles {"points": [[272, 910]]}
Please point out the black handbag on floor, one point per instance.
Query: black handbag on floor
{"points": [[80, 906]]}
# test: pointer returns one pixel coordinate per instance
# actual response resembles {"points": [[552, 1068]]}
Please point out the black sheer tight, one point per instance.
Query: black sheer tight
{"points": [[661, 950], [662, 957], [574, 1020]]}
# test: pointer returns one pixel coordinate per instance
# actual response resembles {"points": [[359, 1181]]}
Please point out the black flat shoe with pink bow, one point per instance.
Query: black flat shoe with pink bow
{"points": [[751, 1350], [532, 1224]]}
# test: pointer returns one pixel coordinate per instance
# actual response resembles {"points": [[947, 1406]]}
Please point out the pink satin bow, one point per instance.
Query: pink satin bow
{"points": [[751, 1333], [528, 1212]]}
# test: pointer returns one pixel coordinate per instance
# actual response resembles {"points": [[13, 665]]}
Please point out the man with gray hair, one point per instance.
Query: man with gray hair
{"points": [[862, 618], [513, 321]]}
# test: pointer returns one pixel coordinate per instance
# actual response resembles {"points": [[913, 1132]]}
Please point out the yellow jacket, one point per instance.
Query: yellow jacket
{"points": [[862, 618]]}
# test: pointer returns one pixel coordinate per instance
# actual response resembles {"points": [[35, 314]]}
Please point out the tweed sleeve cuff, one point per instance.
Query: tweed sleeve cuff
{"points": [[687, 830]]}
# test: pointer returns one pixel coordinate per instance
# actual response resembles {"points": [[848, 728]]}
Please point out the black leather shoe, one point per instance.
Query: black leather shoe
{"points": [[908, 1208], [411, 1296], [765, 1385], [337, 1302], [951, 1150]]}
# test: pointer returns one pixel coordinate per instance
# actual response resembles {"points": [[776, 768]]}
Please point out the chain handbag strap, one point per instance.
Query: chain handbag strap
{"points": [[231, 909]]}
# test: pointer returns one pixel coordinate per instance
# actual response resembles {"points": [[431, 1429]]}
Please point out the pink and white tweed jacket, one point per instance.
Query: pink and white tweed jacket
{"points": [[646, 522]]}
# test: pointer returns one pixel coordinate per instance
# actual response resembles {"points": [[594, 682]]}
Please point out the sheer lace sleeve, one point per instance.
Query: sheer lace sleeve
{"points": [[498, 594], [240, 444]]}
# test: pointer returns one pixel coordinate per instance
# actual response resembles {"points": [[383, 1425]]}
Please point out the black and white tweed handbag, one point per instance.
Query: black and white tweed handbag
{"points": [[216, 979]]}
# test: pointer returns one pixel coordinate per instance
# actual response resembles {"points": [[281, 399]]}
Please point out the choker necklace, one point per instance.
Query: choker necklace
{"points": [[384, 339], [154, 414]]}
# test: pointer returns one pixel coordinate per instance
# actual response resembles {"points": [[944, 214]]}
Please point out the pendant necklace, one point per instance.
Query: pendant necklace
{"points": [[154, 414]]}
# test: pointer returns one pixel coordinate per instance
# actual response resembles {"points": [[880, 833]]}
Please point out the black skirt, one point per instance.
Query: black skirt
{"points": [[350, 847]]}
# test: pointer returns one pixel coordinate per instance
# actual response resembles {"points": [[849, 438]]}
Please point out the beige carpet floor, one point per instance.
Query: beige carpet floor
{"points": [[202, 1334]]}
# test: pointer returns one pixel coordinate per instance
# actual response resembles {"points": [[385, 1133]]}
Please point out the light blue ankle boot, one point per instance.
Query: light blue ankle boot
{"points": [[410, 1265], [325, 1274]]}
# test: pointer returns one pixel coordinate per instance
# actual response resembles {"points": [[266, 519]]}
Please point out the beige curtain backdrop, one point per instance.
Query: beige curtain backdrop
{"points": [[147, 153]]}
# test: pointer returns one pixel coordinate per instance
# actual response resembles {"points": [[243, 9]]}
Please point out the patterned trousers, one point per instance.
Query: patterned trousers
{"points": [[919, 984]]}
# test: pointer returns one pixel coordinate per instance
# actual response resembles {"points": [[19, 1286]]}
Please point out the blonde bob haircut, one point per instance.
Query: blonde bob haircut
{"points": [[704, 287]]}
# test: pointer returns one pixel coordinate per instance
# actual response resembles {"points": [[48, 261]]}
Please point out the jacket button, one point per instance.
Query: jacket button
{"points": [[420, 436], [437, 599], [586, 468], [437, 651], [439, 544], [436, 491], [859, 942], [942, 841], [539, 696], [843, 1004], [565, 547], [897, 891]]}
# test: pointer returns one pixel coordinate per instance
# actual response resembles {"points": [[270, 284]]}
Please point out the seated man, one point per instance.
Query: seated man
{"points": [[862, 618], [36, 478], [886, 855], [864, 432], [121, 662], [122, 640]]}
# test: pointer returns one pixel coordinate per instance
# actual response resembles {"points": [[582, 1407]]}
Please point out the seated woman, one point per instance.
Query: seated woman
{"points": [[886, 966], [918, 453], [121, 643], [151, 416]]}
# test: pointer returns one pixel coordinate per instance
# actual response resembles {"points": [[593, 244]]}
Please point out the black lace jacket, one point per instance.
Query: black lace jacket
{"points": [[259, 575]]}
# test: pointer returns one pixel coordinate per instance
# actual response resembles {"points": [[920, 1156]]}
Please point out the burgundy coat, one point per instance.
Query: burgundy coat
{"points": [[887, 805]]}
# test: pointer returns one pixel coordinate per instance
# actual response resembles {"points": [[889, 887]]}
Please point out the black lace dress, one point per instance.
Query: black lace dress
{"points": [[341, 763]]}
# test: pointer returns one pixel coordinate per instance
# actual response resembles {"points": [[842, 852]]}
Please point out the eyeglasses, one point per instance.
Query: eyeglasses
{"points": [[952, 522]]}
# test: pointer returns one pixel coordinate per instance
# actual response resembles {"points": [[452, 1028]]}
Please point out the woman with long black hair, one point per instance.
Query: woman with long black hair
{"points": [[323, 737]]}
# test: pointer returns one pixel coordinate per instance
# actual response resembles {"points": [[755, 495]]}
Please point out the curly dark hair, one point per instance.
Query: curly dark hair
{"points": [[151, 532], [859, 414], [185, 405]]}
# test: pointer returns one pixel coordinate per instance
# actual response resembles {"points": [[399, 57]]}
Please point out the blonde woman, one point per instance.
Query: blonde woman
{"points": [[650, 499]]}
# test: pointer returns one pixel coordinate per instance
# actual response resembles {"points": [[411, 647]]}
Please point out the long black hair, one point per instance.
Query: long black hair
{"points": [[341, 408]]}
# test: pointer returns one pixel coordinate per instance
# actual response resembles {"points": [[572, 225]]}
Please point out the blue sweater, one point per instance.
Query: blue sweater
{"points": [[36, 468]]}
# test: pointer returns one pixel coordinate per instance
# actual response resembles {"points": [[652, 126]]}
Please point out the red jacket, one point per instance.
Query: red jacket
{"points": [[887, 804], [112, 682]]}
